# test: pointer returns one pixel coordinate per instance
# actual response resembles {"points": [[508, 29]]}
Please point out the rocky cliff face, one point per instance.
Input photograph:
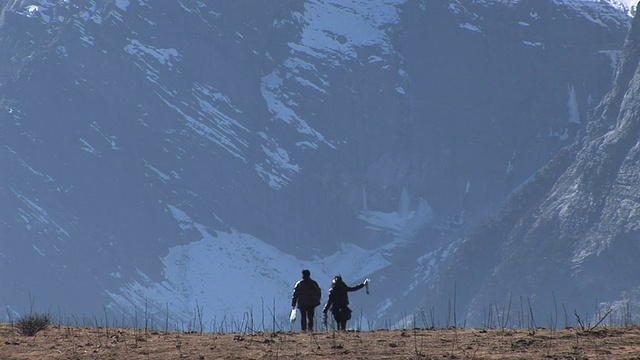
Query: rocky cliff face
{"points": [[570, 235], [136, 133]]}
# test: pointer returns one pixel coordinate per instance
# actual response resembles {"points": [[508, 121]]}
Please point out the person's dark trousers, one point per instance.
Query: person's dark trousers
{"points": [[341, 317], [342, 325], [307, 313], [340, 322]]}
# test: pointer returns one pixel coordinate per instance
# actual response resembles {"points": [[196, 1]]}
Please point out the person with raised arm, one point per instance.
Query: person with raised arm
{"points": [[338, 301]]}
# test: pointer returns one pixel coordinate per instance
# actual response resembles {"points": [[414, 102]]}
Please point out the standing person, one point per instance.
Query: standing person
{"points": [[338, 301], [306, 296]]}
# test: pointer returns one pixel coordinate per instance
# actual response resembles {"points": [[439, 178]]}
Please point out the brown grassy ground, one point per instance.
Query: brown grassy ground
{"points": [[63, 342]]}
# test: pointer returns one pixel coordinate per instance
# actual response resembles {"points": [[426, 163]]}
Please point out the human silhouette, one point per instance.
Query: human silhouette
{"points": [[338, 301], [306, 296]]}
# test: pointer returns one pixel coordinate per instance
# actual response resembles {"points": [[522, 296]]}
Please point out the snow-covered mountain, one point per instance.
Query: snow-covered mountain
{"points": [[187, 154], [569, 235]]}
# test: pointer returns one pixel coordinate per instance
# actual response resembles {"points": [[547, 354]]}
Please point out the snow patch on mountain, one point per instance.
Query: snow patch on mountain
{"points": [[277, 168], [332, 33], [84, 145], [613, 55], [402, 224], [159, 174], [231, 274], [335, 29], [198, 274], [207, 113], [605, 14], [572, 105], [35, 218], [163, 56], [595, 12], [470, 27], [283, 109]]}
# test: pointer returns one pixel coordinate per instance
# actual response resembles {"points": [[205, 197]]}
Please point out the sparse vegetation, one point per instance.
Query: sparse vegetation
{"points": [[507, 332], [31, 324], [69, 342]]}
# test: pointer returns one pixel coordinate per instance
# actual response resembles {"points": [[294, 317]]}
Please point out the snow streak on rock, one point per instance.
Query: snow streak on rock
{"points": [[332, 35], [606, 15]]}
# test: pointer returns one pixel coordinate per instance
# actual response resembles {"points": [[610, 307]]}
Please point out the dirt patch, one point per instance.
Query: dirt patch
{"points": [[64, 342]]}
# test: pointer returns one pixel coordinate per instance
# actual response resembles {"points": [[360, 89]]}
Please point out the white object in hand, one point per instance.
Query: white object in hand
{"points": [[293, 315]]}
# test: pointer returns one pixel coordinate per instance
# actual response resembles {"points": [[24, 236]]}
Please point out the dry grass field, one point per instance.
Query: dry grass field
{"points": [[66, 342]]}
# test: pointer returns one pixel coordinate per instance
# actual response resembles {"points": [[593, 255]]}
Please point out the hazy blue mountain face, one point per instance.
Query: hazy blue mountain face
{"points": [[568, 239], [180, 154]]}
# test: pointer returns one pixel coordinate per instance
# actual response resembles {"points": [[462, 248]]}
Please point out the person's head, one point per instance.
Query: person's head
{"points": [[306, 274], [336, 280]]}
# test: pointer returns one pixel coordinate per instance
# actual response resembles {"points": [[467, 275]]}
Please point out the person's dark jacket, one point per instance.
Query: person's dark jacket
{"points": [[338, 297], [306, 293]]}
